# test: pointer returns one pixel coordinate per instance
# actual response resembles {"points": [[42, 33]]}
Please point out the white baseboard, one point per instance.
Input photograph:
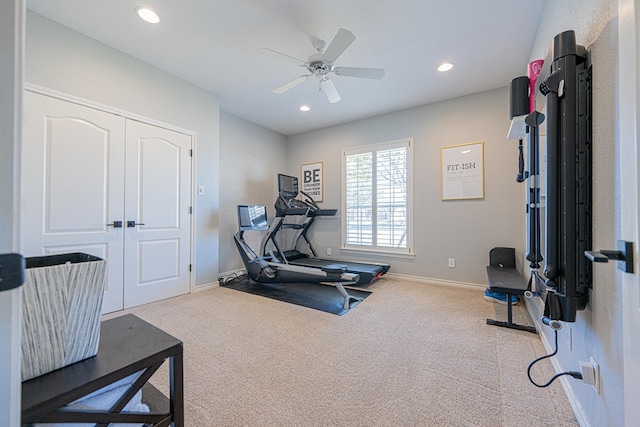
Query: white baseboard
{"points": [[205, 287], [441, 282]]}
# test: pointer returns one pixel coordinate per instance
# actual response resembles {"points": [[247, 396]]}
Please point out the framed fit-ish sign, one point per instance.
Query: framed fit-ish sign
{"points": [[312, 180], [462, 171]]}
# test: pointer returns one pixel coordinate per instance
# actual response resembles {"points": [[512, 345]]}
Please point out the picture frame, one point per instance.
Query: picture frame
{"points": [[462, 171], [312, 180]]}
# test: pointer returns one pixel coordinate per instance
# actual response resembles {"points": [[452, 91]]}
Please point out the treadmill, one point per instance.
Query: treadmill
{"points": [[270, 269], [288, 206]]}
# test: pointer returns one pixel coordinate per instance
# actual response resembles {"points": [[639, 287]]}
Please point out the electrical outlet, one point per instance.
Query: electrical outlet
{"points": [[452, 263], [591, 373], [329, 251]]}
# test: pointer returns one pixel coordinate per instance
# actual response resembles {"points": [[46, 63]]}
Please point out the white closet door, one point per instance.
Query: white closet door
{"points": [[629, 126], [157, 200], [73, 185]]}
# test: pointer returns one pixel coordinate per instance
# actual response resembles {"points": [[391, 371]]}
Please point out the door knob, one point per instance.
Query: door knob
{"points": [[133, 223], [115, 224]]}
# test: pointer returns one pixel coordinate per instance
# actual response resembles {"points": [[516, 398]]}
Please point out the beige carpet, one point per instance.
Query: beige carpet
{"points": [[412, 354]]}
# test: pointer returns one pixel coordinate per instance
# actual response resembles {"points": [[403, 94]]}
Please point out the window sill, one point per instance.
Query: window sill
{"points": [[387, 254]]}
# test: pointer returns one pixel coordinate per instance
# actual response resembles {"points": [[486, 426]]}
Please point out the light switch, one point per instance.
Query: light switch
{"points": [[201, 190]]}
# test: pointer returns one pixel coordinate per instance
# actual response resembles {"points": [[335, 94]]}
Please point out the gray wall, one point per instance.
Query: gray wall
{"points": [[250, 159], [597, 331], [11, 49], [465, 229], [11, 57], [65, 60]]}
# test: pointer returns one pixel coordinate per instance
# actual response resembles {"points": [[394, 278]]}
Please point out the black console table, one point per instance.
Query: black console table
{"points": [[128, 345]]}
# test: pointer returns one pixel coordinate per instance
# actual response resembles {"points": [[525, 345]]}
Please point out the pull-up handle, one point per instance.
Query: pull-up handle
{"points": [[624, 255]]}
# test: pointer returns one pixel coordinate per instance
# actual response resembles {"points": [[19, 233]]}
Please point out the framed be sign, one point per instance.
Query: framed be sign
{"points": [[312, 181]]}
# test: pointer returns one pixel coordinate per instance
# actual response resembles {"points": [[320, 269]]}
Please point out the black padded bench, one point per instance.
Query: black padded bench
{"points": [[504, 277]]}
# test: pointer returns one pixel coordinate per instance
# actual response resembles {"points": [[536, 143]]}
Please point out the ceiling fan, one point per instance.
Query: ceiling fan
{"points": [[320, 65]]}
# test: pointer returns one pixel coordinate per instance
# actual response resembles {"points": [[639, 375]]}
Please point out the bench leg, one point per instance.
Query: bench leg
{"points": [[509, 323]]}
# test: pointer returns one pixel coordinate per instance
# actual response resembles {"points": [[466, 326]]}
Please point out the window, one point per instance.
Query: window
{"points": [[377, 191]]}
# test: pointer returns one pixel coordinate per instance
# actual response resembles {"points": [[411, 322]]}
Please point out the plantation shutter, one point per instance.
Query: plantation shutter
{"points": [[376, 201]]}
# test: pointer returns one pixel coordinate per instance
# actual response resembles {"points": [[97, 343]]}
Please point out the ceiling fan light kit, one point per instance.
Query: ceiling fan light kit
{"points": [[320, 65]]}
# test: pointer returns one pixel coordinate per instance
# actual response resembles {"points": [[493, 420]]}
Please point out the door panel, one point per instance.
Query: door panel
{"points": [[159, 260], [73, 181], [157, 198], [75, 199], [159, 182]]}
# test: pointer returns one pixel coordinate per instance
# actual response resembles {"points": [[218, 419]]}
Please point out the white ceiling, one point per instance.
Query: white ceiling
{"points": [[215, 44]]}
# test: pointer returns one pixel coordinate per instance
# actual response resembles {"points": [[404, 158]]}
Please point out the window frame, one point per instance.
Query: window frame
{"points": [[386, 250]]}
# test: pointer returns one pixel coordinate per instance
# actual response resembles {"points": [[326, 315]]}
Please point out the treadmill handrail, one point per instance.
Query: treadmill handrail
{"points": [[310, 200]]}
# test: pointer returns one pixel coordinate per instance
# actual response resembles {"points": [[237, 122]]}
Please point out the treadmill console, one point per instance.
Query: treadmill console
{"points": [[287, 186], [288, 204], [252, 217]]}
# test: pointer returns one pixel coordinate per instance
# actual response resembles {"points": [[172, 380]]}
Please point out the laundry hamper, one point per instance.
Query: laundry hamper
{"points": [[61, 306]]}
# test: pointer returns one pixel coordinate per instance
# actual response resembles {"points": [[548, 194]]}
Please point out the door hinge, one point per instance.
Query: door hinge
{"points": [[189, 267], [190, 210], [191, 153]]}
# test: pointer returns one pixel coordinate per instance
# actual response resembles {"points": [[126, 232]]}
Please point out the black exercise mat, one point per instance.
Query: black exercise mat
{"points": [[312, 295]]}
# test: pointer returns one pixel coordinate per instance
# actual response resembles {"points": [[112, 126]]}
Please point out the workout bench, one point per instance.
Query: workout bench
{"points": [[503, 277]]}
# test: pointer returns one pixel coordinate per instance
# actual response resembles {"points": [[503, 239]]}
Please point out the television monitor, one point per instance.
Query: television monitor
{"points": [[287, 186], [252, 217]]}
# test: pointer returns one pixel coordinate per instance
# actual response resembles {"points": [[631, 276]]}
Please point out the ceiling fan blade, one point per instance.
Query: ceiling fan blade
{"points": [[293, 83], [367, 73], [339, 44], [330, 91], [282, 56]]}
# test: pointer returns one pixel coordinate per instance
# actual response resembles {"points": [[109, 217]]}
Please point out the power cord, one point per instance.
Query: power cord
{"points": [[574, 374], [231, 278]]}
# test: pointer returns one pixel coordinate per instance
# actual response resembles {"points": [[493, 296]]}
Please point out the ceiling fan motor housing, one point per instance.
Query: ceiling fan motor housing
{"points": [[319, 68]]}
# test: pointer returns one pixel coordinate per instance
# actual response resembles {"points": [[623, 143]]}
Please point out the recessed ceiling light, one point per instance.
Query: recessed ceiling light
{"points": [[304, 108], [148, 15], [445, 66]]}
